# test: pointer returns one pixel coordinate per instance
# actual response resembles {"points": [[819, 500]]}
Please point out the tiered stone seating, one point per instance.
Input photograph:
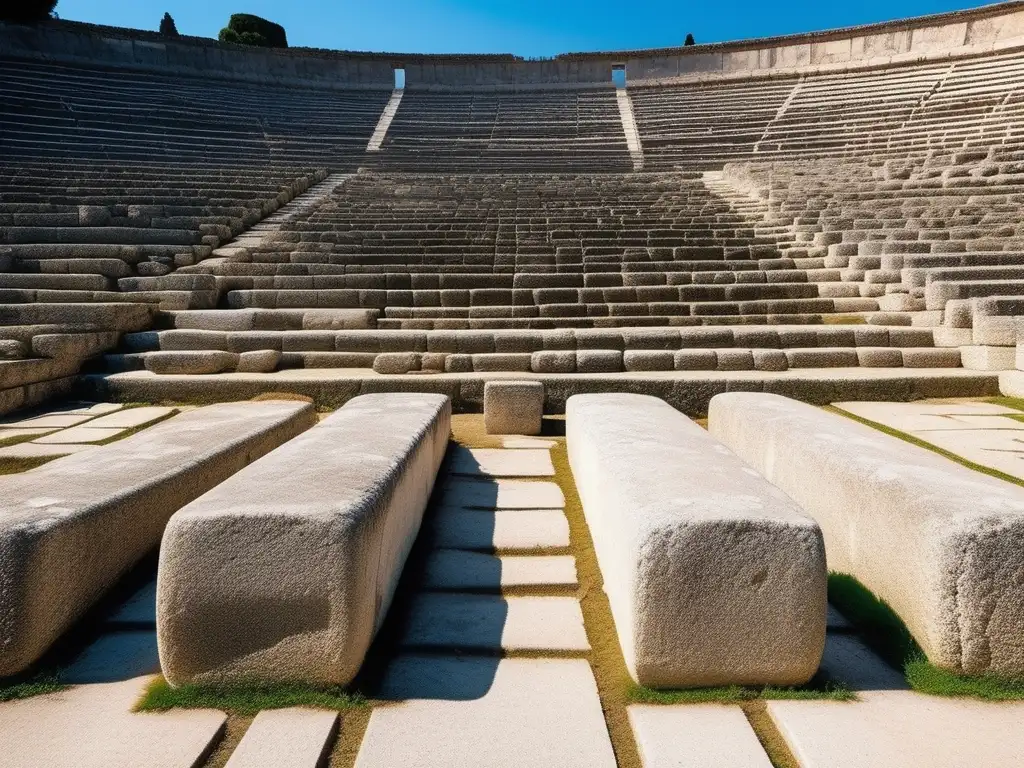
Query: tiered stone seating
{"points": [[535, 130]]}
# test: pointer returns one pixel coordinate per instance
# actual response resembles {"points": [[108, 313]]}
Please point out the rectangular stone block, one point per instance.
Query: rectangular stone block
{"points": [[693, 545], [286, 571], [942, 544], [513, 407], [95, 514]]}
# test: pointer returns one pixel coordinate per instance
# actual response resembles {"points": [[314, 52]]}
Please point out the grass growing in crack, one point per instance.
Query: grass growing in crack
{"points": [[734, 694], [14, 466], [247, 699], [26, 689], [884, 631], [1016, 403]]}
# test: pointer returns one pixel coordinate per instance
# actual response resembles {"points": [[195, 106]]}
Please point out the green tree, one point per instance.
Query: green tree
{"points": [[167, 26], [690, 40], [246, 29], [26, 10]]}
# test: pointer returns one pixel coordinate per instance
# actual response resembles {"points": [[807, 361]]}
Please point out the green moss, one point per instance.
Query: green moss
{"points": [[927, 678], [16, 440], [14, 466], [1016, 403], [883, 630], [732, 694], [26, 689], [246, 699]]}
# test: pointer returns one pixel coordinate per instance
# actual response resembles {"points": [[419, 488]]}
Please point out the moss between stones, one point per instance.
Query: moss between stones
{"points": [[246, 700], [819, 689], [16, 466], [882, 629]]}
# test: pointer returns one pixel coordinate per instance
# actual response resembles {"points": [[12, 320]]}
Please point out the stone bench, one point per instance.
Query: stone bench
{"points": [[286, 571], [714, 576], [942, 544], [71, 528]]}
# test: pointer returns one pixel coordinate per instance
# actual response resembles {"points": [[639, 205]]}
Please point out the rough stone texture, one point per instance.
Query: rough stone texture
{"points": [[130, 418], [191, 363], [502, 462], [286, 571], [941, 543], [286, 738], [513, 407], [879, 357], [74, 435], [695, 736], [598, 361], [901, 728], [92, 726], [499, 713], [258, 361], [704, 550], [97, 513], [988, 358], [396, 362], [494, 623], [457, 569], [35, 451]]}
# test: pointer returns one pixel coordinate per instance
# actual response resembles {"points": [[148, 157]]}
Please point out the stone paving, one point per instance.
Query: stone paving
{"points": [[63, 430], [451, 696], [984, 433]]}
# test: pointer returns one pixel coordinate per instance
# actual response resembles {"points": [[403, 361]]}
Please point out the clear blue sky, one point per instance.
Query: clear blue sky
{"points": [[524, 27]]}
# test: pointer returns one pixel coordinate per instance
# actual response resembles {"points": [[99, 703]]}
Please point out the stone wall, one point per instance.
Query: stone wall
{"points": [[993, 27]]}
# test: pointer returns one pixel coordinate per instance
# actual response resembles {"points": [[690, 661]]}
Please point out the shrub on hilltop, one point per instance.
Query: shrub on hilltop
{"points": [[26, 10], [246, 29], [689, 39]]}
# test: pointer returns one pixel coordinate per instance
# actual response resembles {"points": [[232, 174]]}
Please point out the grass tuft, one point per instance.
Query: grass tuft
{"points": [[246, 699], [13, 466], [927, 678], [29, 688]]}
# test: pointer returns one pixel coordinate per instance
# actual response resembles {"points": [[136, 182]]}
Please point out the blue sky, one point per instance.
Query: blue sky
{"points": [[524, 27]]}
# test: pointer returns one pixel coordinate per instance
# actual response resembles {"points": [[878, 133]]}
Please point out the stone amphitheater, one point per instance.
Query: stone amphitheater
{"points": [[517, 416]]}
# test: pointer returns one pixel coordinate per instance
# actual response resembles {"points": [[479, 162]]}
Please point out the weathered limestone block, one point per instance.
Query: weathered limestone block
{"points": [[714, 576], [396, 363], [770, 360], [191, 363], [513, 407], [259, 361], [554, 361], [695, 360], [95, 514], [987, 358], [879, 357], [598, 361], [502, 361], [942, 544], [286, 571], [339, 319]]}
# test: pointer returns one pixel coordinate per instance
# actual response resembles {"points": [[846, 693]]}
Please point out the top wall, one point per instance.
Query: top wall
{"points": [[953, 34]]}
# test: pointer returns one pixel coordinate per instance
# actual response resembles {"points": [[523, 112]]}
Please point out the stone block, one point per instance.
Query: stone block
{"points": [[513, 407], [95, 514], [259, 361], [986, 358], [933, 357], [598, 361], [501, 362], [879, 357], [286, 571], [396, 363], [190, 363], [735, 360], [339, 319], [553, 361], [769, 360], [704, 549], [695, 360], [942, 544], [647, 360]]}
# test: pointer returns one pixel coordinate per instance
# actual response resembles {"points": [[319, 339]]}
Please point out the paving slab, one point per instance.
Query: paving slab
{"points": [[140, 608], [847, 660], [865, 409], [518, 529], [286, 738], [8, 434], [904, 729], [696, 736], [498, 713], [95, 409], [134, 417], [36, 451], [490, 622], [499, 462], [527, 442], [502, 494], [999, 449], [452, 569], [79, 435], [50, 420], [92, 726], [115, 656]]}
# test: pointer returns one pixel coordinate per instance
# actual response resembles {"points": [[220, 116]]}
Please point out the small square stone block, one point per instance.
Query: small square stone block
{"points": [[513, 407]]}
